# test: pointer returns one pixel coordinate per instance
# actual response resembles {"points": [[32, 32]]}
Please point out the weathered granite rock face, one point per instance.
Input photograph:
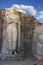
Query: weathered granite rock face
{"points": [[1, 28], [25, 28], [27, 31], [38, 41]]}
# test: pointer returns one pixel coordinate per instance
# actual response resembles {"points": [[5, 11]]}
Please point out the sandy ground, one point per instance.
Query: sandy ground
{"points": [[28, 61]]}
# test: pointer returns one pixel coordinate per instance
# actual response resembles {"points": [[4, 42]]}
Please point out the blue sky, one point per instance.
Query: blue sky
{"points": [[32, 7]]}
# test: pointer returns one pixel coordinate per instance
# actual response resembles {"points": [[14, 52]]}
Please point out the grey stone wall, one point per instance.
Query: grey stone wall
{"points": [[38, 41]]}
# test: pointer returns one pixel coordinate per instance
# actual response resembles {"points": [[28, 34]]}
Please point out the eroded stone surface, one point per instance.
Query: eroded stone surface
{"points": [[26, 28], [38, 41]]}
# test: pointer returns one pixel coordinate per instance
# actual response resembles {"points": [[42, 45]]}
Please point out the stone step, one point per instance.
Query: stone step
{"points": [[11, 57]]}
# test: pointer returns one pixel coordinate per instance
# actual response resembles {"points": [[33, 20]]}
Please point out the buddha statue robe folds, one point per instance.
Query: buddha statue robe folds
{"points": [[10, 33]]}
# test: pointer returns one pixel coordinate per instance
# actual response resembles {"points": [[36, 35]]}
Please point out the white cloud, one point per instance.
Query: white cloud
{"points": [[32, 10], [29, 8], [41, 12], [7, 8], [24, 8], [16, 5], [40, 17]]}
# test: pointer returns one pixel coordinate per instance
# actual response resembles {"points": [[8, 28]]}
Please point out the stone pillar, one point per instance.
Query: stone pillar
{"points": [[19, 36]]}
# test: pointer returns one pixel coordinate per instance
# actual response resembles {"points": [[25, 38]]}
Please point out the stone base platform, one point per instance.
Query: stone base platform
{"points": [[10, 57]]}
